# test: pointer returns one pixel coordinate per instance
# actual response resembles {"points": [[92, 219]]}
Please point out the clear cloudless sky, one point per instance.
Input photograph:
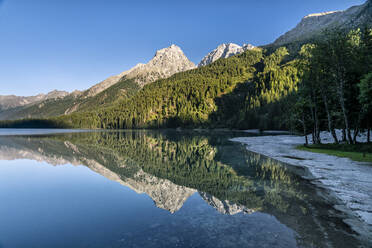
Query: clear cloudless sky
{"points": [[73, 44]]}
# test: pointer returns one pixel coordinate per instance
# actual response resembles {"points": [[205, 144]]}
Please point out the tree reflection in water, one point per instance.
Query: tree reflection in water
{"points": [[170, 166]]}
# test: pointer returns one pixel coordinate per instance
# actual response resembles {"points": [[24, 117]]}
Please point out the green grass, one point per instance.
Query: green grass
{"points": [[357, 152]]}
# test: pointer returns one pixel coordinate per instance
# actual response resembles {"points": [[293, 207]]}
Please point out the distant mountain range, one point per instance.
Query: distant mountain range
{"points": [[165, 63], [12, 101]]}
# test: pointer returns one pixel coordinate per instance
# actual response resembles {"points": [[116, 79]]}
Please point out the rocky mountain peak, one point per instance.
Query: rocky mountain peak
{"points": [[169, 56], [224, 51], [56, 94], [165, 63], [225, 206], [168, 50], [312, 25], [76, 93]]}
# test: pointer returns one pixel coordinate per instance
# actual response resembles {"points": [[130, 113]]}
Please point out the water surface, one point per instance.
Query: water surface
{"points": [[157, 189]]}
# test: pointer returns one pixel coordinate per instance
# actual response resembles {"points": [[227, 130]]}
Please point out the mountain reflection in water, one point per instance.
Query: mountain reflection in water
{"points": [[170, 167]]}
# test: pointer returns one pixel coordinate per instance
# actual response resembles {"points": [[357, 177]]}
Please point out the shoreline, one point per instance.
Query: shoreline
{"points": [[349, 181]]}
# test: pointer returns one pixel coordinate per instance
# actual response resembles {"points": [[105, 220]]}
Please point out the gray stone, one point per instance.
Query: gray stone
{"points": [[224, 51]]}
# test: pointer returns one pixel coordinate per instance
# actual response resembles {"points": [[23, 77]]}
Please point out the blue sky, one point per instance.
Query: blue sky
{"points": [[73, 44]]}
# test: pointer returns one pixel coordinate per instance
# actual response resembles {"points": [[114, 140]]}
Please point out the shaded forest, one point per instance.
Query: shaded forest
{"points": [[336, 86], [324, 86]]}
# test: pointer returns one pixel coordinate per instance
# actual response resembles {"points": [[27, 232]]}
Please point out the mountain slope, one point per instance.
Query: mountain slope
{"points": [[224, 51], [222, 94], [12, 101], [312, 26], [165, 63], [124, 88]]}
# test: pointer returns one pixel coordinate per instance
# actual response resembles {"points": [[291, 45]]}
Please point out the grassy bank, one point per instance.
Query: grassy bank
{"points": [[357, 152]]}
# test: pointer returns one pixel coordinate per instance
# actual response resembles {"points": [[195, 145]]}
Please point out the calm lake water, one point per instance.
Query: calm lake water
{"points": [[157, 189]]}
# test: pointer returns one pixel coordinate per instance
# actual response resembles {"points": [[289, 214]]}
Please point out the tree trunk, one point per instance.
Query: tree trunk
{"points": [[346, 120], [317, 129], [329, 117], [356, 132], [369, 135], [304, 126], [313, 119], [357, 127], [341, 99], [316, 137], [343, 135], [313, 136]]}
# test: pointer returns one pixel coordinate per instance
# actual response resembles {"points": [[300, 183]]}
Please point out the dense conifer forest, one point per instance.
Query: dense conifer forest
{"points": [[324, 86]]}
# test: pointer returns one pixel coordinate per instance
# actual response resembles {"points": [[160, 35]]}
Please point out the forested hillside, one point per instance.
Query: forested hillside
{"points": [[166, 62], [327, 85], [226, 93], [237, 92], [71, 103]]}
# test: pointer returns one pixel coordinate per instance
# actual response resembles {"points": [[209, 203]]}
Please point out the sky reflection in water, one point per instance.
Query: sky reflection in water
{"points": [[156, 189]]}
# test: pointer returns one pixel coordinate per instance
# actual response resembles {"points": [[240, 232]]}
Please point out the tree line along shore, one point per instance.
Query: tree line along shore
{"points": [[324, 84]]}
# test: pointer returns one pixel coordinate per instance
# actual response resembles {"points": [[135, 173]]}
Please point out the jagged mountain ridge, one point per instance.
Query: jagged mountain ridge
{"points": [[312, 26], [165, 194], [12, 101], [165, 63], [224, 51], [225, 206]]}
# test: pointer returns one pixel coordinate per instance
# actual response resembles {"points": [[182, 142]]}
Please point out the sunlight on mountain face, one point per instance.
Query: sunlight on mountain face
{"points": [[185, 124]]}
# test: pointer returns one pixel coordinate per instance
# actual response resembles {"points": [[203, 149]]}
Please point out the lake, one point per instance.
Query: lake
{"points": [[157, 189]]}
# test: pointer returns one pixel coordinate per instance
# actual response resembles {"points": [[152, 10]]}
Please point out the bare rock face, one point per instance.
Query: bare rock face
{"points": [[164, 193], [165, 63], [12, 101], [225, 207], [312, 25], [76, 93], [224, 51]]}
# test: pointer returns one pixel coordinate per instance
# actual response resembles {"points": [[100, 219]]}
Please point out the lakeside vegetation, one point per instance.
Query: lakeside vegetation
{"points": [[336, 86], [327, 85], [357, 152], [237, 92]]}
